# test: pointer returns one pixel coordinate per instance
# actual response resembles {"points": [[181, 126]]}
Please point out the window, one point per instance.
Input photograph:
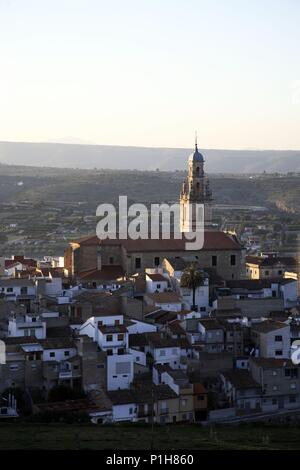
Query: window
{"points": [[67, 353], [274, 293], [26, 333], [158, 286], [52, 354], [200, 397], [274, 401], [9, 289], [75, 367], [156, 261], [278, 338], [109, 337], [183, 402], [32, 332], [214, 260], [120, 337], [121, 351], [111, 260], [174, 351], [23, 290], [100, 366], [33, 319], [138, 263], [130, 411], [280, 272], [109, 352], [117, 322], [274, 372], [232, 260], [162, 352], [202, 309], [275, 388], [293, 386], [292, 399], [267, 273], [278, 352], [14, 367]]}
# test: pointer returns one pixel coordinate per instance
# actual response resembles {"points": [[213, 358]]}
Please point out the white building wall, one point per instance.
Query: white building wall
{"points": [[120, 371], [127, 412], [59, 354], [169, 356]]}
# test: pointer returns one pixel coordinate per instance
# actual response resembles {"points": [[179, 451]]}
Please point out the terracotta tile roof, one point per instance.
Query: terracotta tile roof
{"points": [[107, 329], [74, 406], [271, 261], [57, 343], [141, 395], [199, 388], [270, 363], [268, 326], [250, 284], [210, 324], [164, 297], [213, 240], [161, 316], [156, 277], [241, 379], [106, 273]]}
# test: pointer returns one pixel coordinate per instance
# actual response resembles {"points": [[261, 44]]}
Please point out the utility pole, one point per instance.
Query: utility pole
{"points": [[152, 418]]}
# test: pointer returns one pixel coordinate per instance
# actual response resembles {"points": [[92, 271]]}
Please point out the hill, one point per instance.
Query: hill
{"points": [[142, 158]]}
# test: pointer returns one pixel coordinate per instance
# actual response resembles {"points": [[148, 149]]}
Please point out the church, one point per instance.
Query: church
{"points": [[90, 258]]}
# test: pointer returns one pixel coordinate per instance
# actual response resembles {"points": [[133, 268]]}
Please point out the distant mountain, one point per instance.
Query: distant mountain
{"points": [[141, 158]]}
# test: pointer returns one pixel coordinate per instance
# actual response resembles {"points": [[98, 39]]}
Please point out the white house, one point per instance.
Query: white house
{"points": [[120, 371], [27, 325], [16, 289], [169, 301], [111, 335], [59, 349], [156, 282]]}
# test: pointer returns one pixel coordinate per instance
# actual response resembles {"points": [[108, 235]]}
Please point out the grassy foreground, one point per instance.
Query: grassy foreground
{"points": [[121, 437]]}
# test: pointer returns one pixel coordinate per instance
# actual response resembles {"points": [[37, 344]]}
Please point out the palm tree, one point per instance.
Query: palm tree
{"points": [[192, 278]]}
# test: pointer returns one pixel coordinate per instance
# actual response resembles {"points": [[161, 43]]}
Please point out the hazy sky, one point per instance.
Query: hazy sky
{"points": [[150, 72]]}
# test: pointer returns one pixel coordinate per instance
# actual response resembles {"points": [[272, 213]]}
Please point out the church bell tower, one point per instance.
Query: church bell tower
{"points": [[195, 191]]}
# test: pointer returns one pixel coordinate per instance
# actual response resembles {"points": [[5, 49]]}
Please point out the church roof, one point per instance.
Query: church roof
{"points": [[196, 156], [213, 241]]}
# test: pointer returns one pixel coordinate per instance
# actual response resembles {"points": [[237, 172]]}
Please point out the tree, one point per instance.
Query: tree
{"points": [[192, 278]]}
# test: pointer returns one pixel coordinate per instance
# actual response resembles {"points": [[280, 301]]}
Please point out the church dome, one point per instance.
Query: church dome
{"points": [[196, 156]]}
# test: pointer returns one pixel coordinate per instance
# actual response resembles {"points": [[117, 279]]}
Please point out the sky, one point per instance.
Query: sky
{"points": [[151, 72]]}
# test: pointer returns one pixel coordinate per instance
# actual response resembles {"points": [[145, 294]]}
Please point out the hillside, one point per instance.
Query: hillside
{"points": [[19, 184], [141, 158]]}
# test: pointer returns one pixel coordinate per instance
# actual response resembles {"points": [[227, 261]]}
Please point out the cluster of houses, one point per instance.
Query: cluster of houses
{"points": [[151, 330], [148, 347]]}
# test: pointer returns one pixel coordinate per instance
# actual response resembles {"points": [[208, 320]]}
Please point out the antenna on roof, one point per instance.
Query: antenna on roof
{"points": [[196, 143]]}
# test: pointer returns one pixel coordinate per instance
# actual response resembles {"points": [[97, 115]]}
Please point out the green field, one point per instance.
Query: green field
{"points": [[122, 437]]}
